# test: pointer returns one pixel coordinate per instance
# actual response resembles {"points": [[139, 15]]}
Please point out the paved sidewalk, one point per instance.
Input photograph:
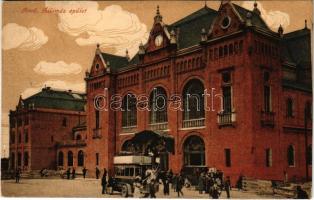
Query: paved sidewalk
{"points": [[90, 188]]}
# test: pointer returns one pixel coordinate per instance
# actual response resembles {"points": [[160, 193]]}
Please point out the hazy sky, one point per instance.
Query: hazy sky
{"points": [[53, 43]]}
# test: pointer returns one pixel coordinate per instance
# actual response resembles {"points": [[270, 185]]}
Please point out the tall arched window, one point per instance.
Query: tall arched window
{"points": [[194, 151], [289, 107], [193, 95], [80, 158], [70, 158], [290, 154], [158, 105], [129, 117], [60, 158]]}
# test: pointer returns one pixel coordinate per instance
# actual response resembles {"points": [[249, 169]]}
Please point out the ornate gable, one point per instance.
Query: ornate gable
{"points": [[159, 35], [227, 21], [99, 65]]}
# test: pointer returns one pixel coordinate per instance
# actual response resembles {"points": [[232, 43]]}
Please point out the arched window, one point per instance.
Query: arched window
{"points": [[70, 158], [158, 105], [193, 100], [225, 50], [194, 151], [230, 49], [129, 117], [221, 52], [289, 107], [309, 154], [290, 155], [80, 158], [60, 158]]}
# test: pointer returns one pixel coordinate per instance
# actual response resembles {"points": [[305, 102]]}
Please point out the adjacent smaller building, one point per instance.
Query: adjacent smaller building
{"points": [[42, 124]]}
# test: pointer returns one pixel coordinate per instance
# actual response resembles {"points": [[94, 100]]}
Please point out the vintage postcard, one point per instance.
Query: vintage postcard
{"points": [[157, 99]]}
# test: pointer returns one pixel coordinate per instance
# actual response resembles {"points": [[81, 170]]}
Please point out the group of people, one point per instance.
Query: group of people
{"points": [[213, 183], [69, 173], [176, 181], [146, 184]]}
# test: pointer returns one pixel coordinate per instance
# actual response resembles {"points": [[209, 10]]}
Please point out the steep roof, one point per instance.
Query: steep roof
{"points": [[298, 44], [56, 99], [189, 27], [256, 19], [115, 62]]}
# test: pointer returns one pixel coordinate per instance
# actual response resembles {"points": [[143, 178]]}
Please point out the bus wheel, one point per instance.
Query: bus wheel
{"points": [[124, 191]]}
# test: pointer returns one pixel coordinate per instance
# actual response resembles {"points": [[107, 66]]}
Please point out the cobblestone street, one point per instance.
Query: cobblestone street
{"points": [[89, 188]]}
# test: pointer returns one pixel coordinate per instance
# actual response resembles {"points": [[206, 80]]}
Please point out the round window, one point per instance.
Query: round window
{"points": [[225, 23]]}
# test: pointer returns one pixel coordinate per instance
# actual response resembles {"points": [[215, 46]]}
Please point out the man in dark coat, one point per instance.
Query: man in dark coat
{"points": [[239, 183], [214, 192], [166, 186], [104, 184], [73, 173], [201, 181], [84, 172], [227, 187], [17, 175], [180, 183], [68, 173], [97, 173], [301, 194]]}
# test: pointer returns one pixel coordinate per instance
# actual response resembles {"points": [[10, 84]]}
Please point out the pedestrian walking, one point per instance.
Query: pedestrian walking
{"points": [[301, 194], [73, 173], [214, 192], [201, 181], [180, 183], [17, 175], [104, 184], [239, 182], [166, 186], [152, 190], [227, 187], [174, 183], [84, 172], [68, 173], [105, 171], [97, 173]]}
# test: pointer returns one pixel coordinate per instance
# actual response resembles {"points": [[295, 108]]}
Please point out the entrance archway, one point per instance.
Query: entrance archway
{"points": [[193, 157]]}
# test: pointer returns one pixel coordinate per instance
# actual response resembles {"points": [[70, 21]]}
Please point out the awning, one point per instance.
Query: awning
{"points": [[154, 137]]}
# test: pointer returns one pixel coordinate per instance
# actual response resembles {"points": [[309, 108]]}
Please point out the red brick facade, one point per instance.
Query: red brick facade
{"points": [[41, 130], [251, 130], [252, 139]]}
